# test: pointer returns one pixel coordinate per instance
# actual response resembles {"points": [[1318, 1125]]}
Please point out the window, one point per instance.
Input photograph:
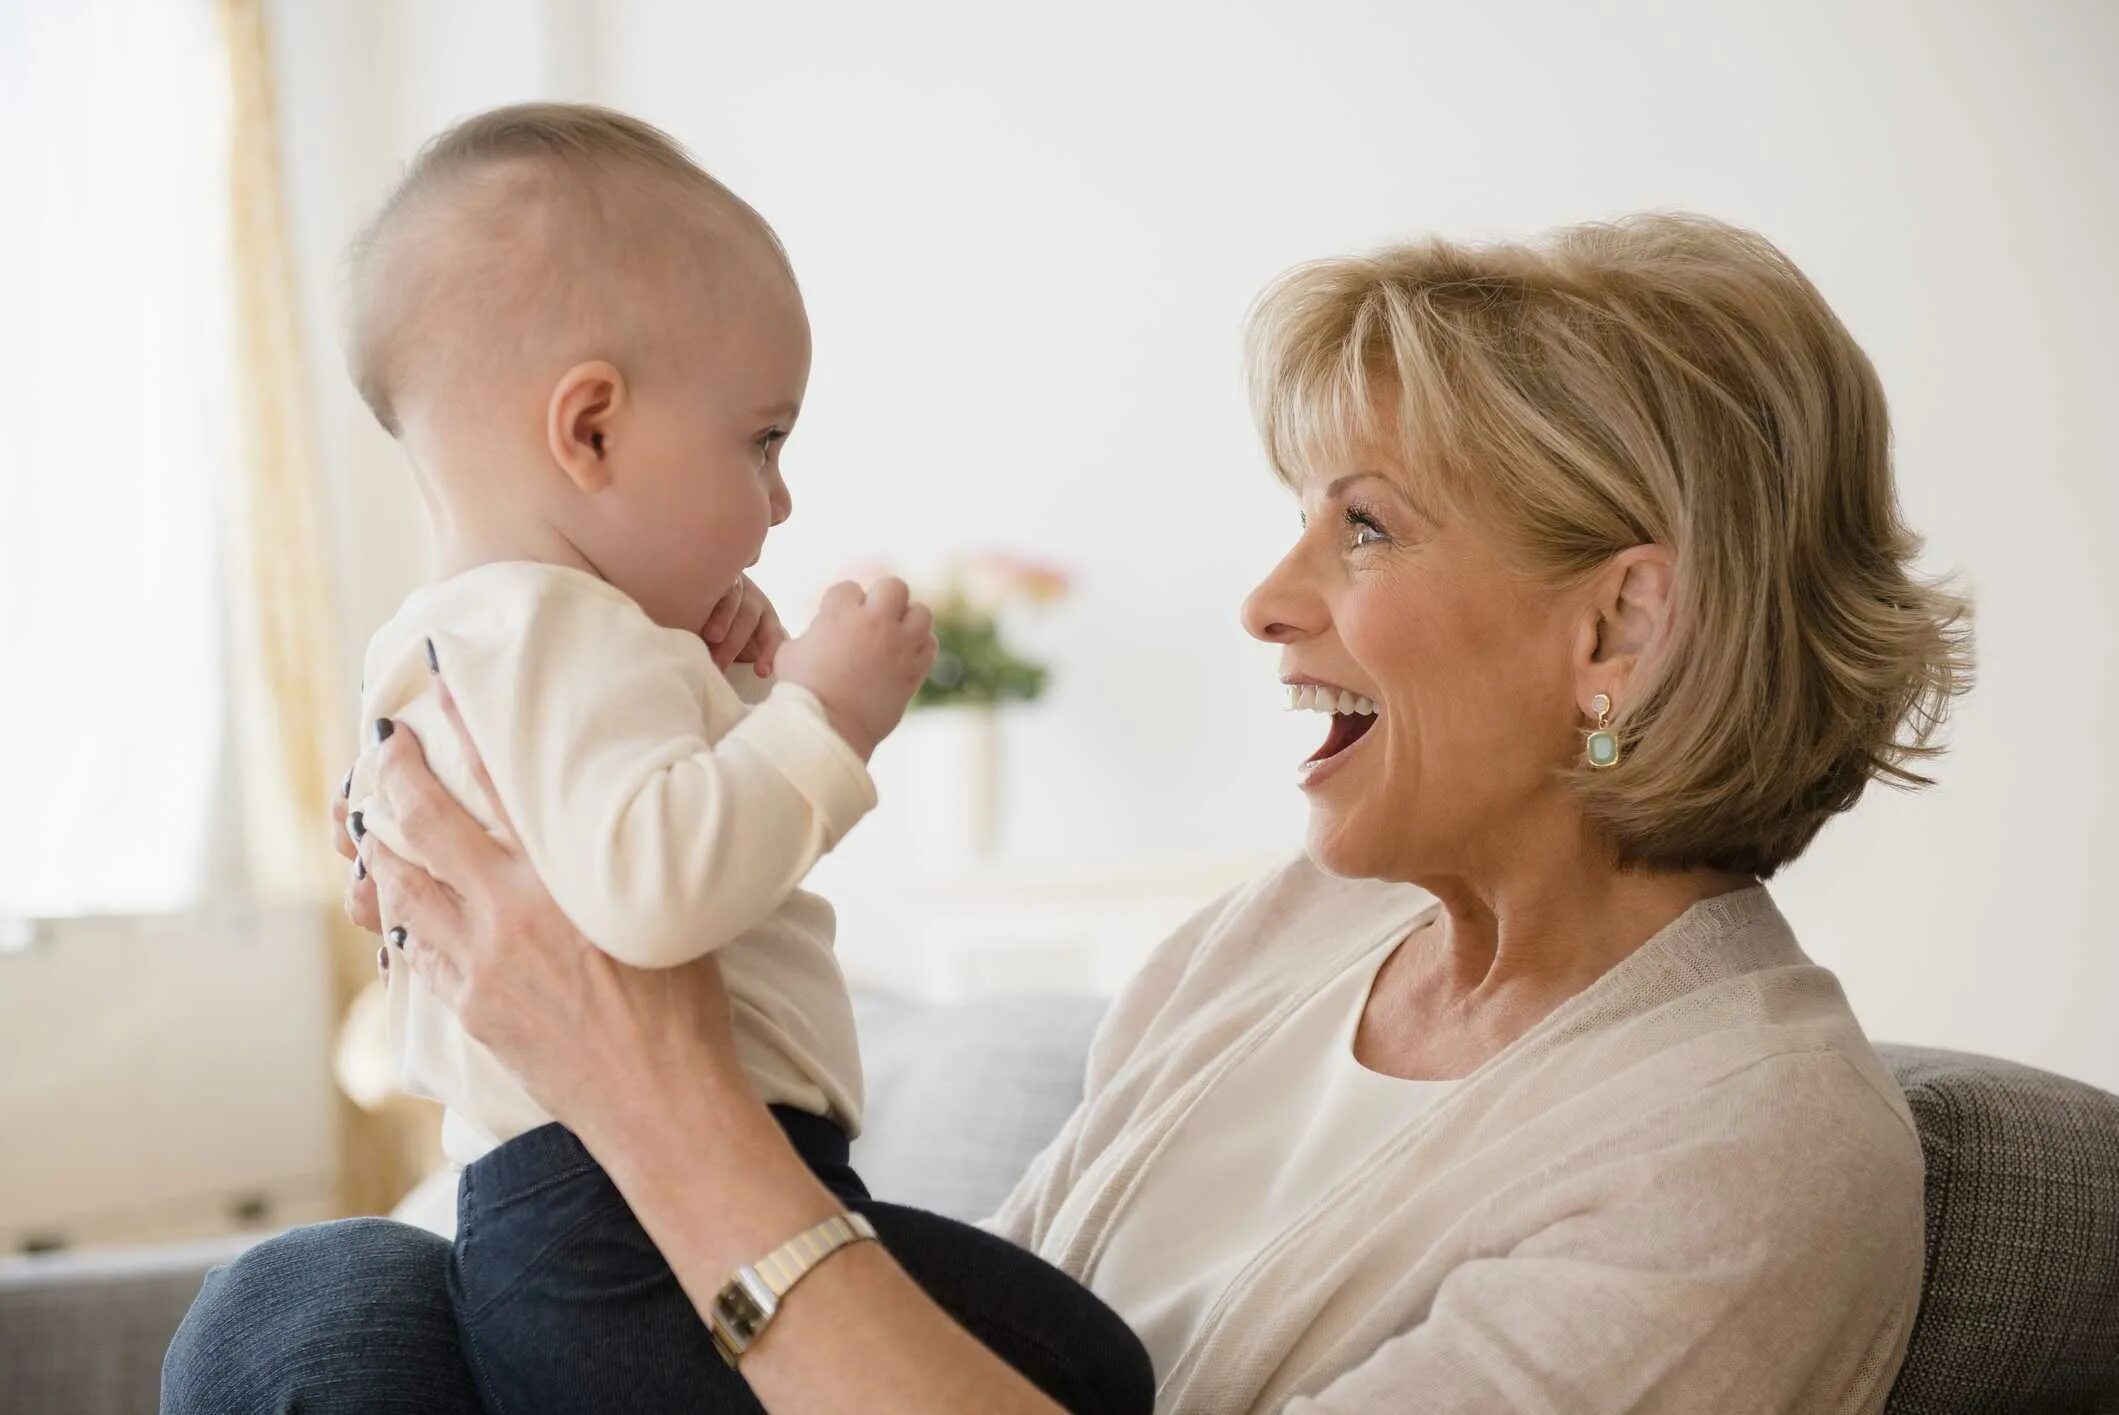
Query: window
{"points": [[114, 358]]}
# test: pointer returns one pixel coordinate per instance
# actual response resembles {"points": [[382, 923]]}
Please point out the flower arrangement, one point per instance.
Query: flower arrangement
{"points": [[975, 664]]}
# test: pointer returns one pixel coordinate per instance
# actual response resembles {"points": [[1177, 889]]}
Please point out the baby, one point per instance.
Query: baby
{"points": [[591, 353]]}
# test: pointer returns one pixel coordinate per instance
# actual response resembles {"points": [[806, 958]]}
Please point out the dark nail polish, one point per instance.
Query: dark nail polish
{"points": [[354, 827], [345, 790], [397, 936], [383, 728], [382, 959], [433, 663], [360, 869]]}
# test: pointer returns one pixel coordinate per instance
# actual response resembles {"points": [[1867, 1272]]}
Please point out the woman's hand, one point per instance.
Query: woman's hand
{"points": [[360, 889], [642, 1065], [583, 1032]]}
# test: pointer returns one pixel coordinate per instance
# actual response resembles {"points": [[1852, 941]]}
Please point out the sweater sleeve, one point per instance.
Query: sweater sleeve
{"points": [[1702, 1280], [660, 843]]}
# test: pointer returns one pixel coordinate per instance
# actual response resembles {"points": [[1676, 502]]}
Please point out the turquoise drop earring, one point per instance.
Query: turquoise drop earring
{"points": [[1603, 742]]}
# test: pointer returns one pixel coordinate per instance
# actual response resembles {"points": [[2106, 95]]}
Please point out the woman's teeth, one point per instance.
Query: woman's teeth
{"points": [[1316, 697]]}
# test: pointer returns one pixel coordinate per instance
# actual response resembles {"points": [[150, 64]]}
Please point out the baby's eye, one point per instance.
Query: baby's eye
{"points": [[769, 439]]}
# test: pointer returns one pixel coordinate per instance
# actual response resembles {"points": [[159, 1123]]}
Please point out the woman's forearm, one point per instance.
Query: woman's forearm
{"points": [[716, 1185]]}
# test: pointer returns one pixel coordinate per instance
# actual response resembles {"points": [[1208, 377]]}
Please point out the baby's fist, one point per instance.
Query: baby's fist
{"points": [[864, 656]]}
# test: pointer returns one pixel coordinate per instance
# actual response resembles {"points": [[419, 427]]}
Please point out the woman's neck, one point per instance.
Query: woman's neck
{"points": [[1505, 950], [1570, 935]]}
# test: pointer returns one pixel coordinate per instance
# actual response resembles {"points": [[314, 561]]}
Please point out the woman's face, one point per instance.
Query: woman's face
{"points": [[1467, 664]]}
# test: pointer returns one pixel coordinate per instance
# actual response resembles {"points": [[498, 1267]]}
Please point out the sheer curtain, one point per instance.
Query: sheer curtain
{"points": [[114, 327]]}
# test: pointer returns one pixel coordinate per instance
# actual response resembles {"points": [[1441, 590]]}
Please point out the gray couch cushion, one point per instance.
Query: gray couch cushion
{"points": [[2019, 1314], [84, 1333], [962, 1098]]}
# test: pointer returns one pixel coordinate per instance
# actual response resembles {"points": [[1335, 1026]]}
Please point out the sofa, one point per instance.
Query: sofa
{"points": [[2019, 1314]]}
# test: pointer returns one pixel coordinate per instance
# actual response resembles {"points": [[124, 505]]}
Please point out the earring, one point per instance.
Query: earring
{"points": [[1603, 743]]}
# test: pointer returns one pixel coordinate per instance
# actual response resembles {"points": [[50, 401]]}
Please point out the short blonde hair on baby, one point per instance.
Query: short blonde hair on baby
{"points": [[1664, 379], [529, 229]]}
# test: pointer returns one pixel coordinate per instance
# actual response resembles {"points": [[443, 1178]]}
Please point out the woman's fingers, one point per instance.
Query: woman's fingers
{"points": [[361, 905], [479, 773], [341, 840], [437, 967], [428, 930], [414, 899], [439, 831]]}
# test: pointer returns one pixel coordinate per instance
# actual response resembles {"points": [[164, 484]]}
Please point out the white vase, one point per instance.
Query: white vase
{"points": [[954, 794]]}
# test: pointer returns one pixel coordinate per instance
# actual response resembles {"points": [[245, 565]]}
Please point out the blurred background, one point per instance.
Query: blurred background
{"points": [[1027, 233]]}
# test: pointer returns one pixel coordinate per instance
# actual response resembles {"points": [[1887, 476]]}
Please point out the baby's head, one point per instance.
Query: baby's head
{"points": [[589, 348]]}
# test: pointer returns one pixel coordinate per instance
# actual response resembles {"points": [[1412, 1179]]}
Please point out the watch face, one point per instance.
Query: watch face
{"points": [[740, 1315]]}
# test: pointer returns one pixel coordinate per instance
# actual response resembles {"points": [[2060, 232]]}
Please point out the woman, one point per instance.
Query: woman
{"points": [[1516, 1092]]}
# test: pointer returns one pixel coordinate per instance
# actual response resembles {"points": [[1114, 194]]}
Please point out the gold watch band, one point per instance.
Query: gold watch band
{"points": [[744, 1307]]}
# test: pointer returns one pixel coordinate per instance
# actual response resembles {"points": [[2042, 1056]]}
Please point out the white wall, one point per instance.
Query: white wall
{"points": [[1028, 233]]}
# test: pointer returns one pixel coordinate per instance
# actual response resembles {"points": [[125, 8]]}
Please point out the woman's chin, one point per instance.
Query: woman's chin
{"points": [[1337, 845]]}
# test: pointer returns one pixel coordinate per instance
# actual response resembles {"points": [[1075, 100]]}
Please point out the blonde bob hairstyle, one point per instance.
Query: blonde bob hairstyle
{"points": [[1667, 380]]}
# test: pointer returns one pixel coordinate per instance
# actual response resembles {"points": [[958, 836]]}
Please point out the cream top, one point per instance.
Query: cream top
{"points": [[1692, 1186], [1285, 1124], [668, 817]]}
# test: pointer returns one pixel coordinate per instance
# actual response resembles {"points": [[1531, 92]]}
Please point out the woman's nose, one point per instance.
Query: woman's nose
{"points": [[1281, 610]]}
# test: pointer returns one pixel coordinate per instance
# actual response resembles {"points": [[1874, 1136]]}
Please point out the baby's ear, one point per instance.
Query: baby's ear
{"points": [[579, 420]]}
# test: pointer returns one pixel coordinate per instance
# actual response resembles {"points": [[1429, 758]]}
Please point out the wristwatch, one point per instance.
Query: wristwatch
{"points": [[747, 1304]]}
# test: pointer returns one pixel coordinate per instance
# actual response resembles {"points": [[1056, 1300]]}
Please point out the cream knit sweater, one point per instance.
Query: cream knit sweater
{"points": [[668, 817], [1691, 1188]]}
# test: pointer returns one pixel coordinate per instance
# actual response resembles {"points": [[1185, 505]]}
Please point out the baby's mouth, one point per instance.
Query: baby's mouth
{"points": [[1352, 715]]}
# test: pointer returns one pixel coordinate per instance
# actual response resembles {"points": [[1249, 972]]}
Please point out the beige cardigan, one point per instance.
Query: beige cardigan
{"points": [[1692, 1188]]}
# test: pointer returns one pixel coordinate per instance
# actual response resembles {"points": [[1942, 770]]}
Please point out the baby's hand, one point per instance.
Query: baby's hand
{"points": [[744, 628], [864, 657]]}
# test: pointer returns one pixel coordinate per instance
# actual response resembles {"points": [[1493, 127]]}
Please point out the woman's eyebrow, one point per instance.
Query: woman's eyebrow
{"points": [[1340, 484], [1395, 485]]}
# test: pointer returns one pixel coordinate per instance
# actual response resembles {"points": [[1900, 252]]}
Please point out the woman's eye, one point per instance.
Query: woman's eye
{"points": [[1364, 527]]}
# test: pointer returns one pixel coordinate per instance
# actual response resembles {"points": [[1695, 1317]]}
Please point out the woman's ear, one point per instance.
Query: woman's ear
{"points": [[1624, 623], [580, 420]]}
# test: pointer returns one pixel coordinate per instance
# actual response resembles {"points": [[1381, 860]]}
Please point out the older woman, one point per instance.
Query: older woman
{"points": [[1516, 1093]]}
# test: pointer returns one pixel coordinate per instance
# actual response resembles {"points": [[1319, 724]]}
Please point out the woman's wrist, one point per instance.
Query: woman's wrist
{"points": [[711, 1177]]}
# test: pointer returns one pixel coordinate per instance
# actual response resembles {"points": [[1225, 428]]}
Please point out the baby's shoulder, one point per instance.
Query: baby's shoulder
{"points": [[513, 607], [535, 628], [521, 596]]}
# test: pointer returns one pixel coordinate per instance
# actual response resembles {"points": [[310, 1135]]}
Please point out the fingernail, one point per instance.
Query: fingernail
{"points": [[345, 791], [360, 868], [397, 936], [433, 663], [354, 826], [383, 728], [382, 959]]}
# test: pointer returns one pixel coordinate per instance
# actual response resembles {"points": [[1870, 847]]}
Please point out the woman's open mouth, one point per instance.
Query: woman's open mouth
{"points": [[1351, 718]]}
